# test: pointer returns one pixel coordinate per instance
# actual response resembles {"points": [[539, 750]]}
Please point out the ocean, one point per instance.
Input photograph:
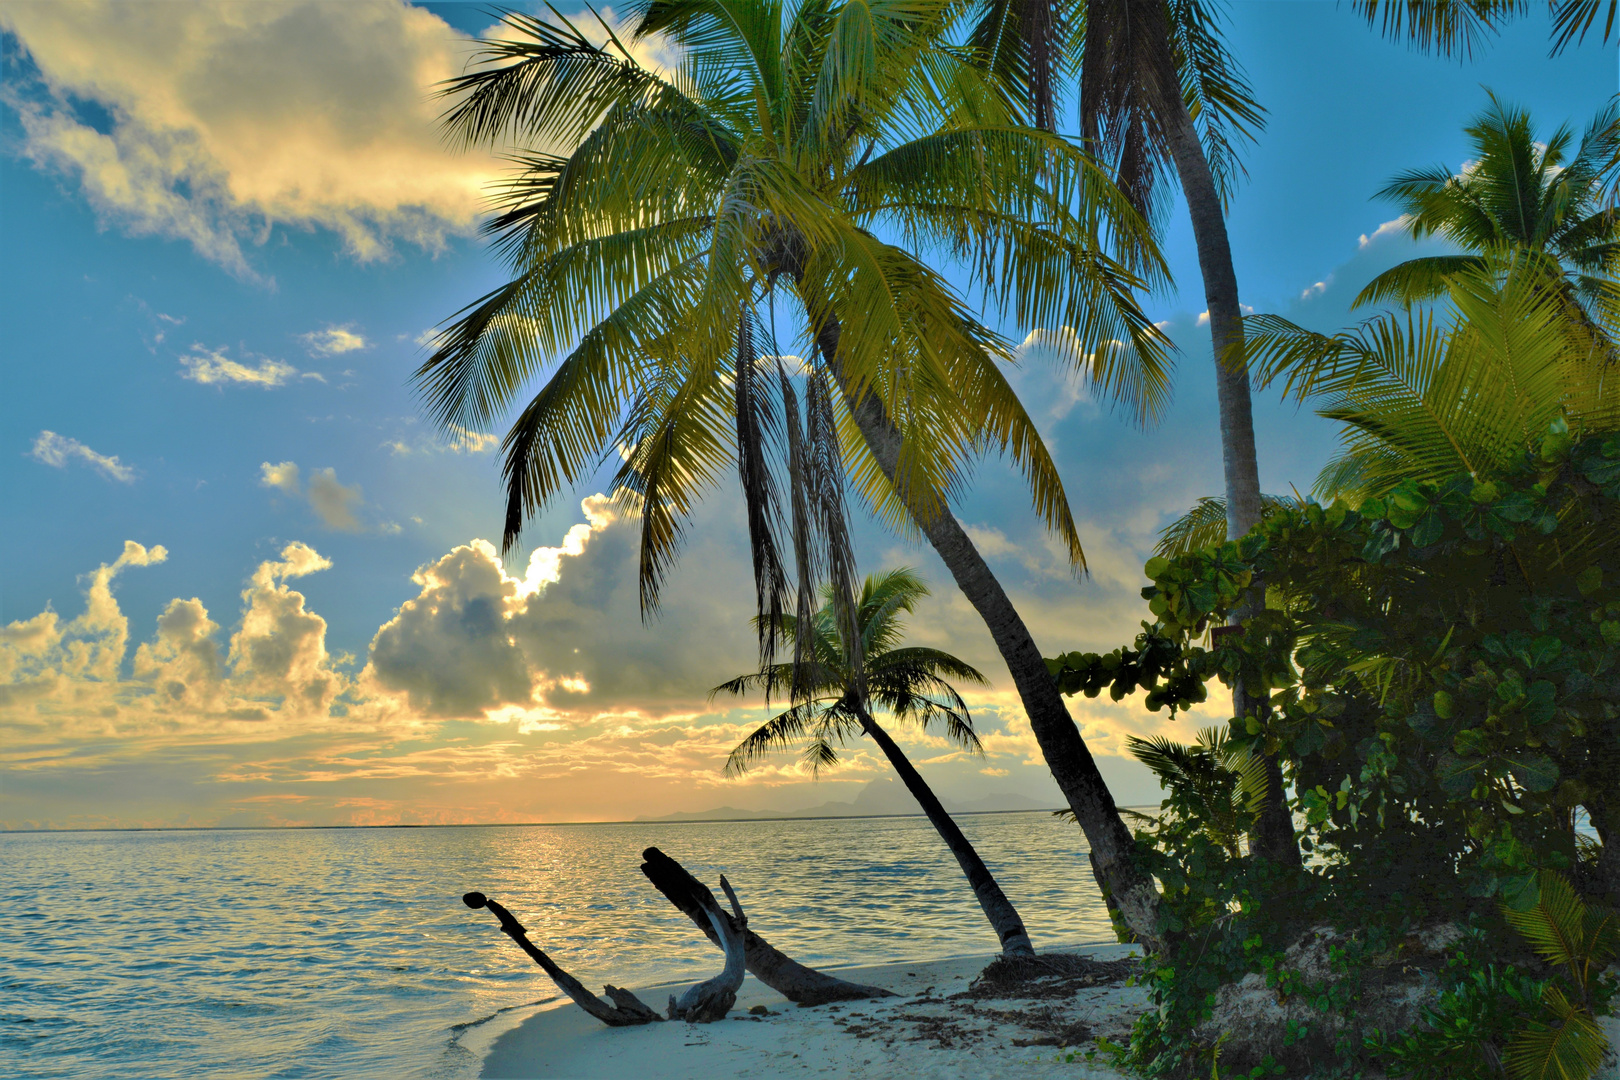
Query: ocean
{"points": [[348, 952]]}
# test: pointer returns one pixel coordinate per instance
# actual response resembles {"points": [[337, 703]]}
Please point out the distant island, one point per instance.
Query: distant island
{"points": [[877, 799]]}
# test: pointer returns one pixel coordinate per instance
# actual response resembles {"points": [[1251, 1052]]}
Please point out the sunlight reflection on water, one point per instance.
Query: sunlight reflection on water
{"points": [[347, 952]]}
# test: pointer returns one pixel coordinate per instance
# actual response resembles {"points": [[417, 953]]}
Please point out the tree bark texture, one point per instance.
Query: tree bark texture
{"points": [[1273, 837], [712, 999], [1605, 815], [1004, 918], [774, 968], [626, 1009], [1077, 776]]}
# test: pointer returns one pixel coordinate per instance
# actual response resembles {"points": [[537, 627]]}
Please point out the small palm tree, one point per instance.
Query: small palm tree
{"points": [[1425, 398], [833, 706], [1214, 782], [1517, 195]]}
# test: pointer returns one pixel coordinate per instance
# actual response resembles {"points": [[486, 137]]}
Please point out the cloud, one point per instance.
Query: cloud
{"points": [[1398, 227], [457, 440], [1318, 288], [333, 502], [1203, 316], [215, 123], [57, 450], [283, 476], [332, 341], [212, 367], [564, 640]]}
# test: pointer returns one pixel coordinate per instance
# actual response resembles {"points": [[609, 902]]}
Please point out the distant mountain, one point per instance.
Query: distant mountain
{"points": [[880, 797]]}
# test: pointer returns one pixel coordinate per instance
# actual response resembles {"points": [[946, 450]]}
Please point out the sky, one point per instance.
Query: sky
{"points": [[244, 582]]}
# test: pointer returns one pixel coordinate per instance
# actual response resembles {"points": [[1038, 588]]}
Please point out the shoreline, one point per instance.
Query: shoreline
{"points": [[934, 1027]]}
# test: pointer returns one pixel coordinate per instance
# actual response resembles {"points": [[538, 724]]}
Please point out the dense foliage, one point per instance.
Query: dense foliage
{"points": [[1443, 668]]}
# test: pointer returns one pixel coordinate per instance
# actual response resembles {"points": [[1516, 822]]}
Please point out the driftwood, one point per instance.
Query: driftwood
{"points": [[626, 1009], [775, 969], [711, 1000]]}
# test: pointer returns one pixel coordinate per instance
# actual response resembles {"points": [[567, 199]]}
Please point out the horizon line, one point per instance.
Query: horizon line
{"points": [[509, 824]]}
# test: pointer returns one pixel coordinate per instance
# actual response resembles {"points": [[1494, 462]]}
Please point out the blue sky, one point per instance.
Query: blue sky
{"points": [[224, 231]]}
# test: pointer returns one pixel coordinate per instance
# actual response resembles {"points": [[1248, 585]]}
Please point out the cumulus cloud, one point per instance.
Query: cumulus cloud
{"points": [[1387, 229], [1317, 288], [564, 640], [283, 476], [212, 367], [336, 504], [332, 341], [577, 708], [216, 122], [1203, 316], [57, 450]]}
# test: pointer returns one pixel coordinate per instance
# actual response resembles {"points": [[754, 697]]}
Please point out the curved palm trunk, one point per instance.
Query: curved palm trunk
{"points": [[1126, 885], [1274, 830], [998, 909]]}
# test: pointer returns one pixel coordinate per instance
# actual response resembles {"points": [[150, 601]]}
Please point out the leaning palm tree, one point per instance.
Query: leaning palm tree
{"points": [[661, 226], [1527, 195], [836, 703]]}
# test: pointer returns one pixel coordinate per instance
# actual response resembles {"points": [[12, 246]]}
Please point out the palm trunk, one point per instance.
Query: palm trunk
{"points": [[997, 908], [1274, 829], [1605, 816], [1112, 846]]}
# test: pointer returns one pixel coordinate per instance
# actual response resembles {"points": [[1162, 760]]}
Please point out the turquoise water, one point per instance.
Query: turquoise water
{"points": [[348, 953]]}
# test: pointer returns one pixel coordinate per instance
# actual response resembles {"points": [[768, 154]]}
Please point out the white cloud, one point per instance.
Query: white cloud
{"points": [[212, 367], [1388, 228], [225, 120], [334, 503], [564, 642], [57, 450], [1203, 316], [283, 476], [457, 440], [332, 341], [1316, 288]]}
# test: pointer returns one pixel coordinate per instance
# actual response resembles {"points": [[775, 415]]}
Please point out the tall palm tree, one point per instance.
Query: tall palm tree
{"points": [[1522, 195], [1160, 96], [836, 703], [685, 213]]}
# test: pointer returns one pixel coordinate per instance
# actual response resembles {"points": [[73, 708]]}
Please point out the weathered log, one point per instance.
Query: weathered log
{"points": [[711, 1000], [775, 969], [627, 1010]]}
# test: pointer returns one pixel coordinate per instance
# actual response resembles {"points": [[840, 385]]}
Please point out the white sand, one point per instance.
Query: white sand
{"points": [[920, 1033]]}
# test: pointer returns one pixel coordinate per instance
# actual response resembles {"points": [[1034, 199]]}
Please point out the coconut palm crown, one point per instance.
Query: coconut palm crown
{"points": [[908, 682], [1544, 199], [799, 166]]}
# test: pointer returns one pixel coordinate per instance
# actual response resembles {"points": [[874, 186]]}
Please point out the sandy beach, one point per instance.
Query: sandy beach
{"points": [[935, 1026]]}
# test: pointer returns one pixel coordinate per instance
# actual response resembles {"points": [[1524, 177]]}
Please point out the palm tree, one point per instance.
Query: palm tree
{"points": [[687, 212], [1459, 27], [1423, 397], [1521, 195], [835, 704], [1214, 782], [1157, 88]]}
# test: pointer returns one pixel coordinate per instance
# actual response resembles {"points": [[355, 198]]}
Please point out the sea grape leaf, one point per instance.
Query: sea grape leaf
{"points": [[1535, 772]]}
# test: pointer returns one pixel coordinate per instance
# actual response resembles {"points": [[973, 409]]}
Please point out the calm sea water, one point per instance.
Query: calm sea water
{"points": [[348, 952]]}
